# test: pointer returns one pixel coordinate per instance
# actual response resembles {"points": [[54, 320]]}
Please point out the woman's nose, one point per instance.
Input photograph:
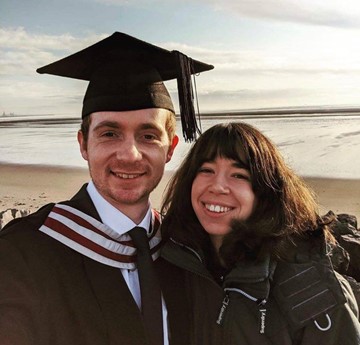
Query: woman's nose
{"points": [[219, 185]]}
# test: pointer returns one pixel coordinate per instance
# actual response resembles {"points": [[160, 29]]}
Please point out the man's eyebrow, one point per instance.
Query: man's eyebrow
{"points": [[150, 125], [111, 124]]}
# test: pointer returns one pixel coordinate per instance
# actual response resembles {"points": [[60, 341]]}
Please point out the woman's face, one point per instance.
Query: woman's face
{"points": [[222, 191]]}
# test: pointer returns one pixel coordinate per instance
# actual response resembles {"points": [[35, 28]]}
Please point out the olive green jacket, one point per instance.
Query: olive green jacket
{"points": [[298, 302]]}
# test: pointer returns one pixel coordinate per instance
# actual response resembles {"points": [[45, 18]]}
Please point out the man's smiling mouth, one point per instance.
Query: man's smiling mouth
{"points": [[127, 176]]}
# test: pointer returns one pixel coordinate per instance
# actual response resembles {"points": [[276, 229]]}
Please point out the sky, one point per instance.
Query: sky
{"points": [[266, 53]]}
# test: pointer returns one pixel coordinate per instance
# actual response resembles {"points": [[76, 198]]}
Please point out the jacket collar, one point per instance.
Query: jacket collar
{"points": [[253, 278]]}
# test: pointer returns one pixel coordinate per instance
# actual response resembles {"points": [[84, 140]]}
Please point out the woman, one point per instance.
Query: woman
{"points": [[245, 230]]}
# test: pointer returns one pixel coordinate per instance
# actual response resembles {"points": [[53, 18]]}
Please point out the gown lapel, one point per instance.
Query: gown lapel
{"points": [[120, 311]]}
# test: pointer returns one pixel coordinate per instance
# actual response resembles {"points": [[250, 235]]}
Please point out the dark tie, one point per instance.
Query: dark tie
{"points": [[149, 286]]}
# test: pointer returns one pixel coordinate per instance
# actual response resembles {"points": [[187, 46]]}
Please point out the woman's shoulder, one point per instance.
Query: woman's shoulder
{"points": [[308, 289]]}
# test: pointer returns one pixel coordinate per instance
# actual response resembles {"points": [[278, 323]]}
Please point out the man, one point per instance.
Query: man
{"points": [[80, 272]]}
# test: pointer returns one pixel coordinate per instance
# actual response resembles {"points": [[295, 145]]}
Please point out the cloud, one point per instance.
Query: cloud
{"points": [[246, 77], [114, 2], [334, 13], [247, 98], [23, 52], [18, 38], [235, 64]]}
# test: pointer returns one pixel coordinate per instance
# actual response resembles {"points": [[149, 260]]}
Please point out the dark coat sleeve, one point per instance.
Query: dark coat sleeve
{"points": [[50, 294], [19, 300], [343, 323]]}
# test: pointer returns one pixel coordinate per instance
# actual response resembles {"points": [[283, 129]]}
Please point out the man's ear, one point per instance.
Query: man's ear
{"points": [[82, 144], [172, 148]]}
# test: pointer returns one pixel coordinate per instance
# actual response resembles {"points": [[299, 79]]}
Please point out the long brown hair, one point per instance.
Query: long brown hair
{"points": [[286, 207]]}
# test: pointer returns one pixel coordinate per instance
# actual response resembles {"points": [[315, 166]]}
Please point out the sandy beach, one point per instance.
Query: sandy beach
{"points": [[28, 187]]}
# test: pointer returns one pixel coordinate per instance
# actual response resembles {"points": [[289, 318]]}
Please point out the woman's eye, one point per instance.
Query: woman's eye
{"points": [[242, 176], [204, 170]]}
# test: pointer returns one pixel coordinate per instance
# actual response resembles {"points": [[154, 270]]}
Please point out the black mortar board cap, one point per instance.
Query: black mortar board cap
{"points": [[126, 73]]}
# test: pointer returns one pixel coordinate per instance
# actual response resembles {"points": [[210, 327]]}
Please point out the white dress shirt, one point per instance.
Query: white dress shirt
{"points": [[120, 223]]}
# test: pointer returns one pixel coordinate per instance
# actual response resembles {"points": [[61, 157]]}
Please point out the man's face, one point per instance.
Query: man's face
{"points": [[126, 153]]}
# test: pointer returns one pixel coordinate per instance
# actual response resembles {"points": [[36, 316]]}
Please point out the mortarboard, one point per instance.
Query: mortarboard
{"points": [[126, 73]]}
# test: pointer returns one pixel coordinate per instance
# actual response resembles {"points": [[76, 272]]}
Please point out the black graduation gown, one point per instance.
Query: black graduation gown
{"points": [[51, 294]]}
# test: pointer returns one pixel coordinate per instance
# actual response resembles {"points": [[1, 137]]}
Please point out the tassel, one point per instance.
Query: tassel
{"points": [[189, 124]]}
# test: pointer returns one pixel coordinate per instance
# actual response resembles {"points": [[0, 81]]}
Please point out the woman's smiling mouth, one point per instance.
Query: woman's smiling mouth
{"points": [[217, 208]]}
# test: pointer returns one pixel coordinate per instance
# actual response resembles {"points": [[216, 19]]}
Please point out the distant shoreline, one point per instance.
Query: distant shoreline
{"points": [[229, 114], [300, 111], [270, 115]]}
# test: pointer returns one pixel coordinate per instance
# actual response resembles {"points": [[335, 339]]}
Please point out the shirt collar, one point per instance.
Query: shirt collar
{"points": [[112, 217]]}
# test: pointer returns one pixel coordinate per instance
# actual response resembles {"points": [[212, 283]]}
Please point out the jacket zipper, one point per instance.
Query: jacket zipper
{"points": [[226, 301], [262, 315], [223, 308], [260, 302]]}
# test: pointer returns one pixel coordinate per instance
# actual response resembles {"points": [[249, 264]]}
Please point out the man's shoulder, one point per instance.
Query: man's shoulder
{"points": [[29, 222], [34, 220]]}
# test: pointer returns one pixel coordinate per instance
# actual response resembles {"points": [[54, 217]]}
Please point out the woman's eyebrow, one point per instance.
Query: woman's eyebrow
{"points": [[240, 165]]}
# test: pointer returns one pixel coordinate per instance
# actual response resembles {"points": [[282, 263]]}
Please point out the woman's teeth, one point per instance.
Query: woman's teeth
{"points": [[217, 208]]}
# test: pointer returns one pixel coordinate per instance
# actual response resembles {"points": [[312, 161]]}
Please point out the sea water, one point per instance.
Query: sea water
{"points": [[319, 146]]}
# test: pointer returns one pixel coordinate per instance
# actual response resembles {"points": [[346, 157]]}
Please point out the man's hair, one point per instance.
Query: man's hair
{"points": [[170, 126], [285, 206]]}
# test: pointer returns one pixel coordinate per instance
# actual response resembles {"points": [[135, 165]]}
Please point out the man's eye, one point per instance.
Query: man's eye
{"points": [[150, 137], [108, 134]]}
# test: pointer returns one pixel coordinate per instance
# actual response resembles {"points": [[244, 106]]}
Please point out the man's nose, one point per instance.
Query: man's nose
{"points": [[129, 150]]}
